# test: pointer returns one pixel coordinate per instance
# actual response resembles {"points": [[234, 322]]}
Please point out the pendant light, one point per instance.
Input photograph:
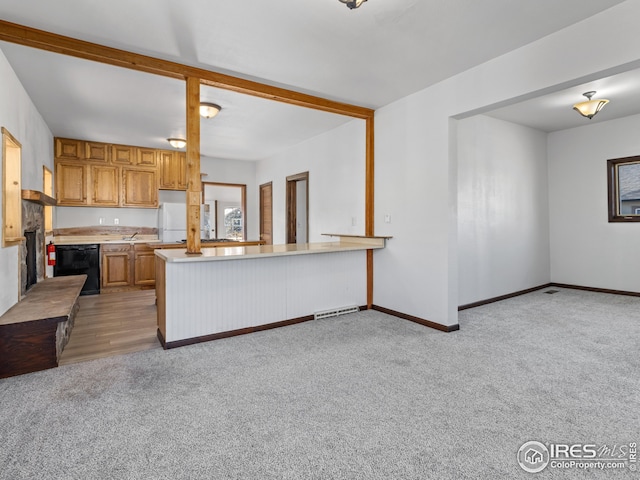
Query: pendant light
{"points": [[353, 3], [590, 107]]}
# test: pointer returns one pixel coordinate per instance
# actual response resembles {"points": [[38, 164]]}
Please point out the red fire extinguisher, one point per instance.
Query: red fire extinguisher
{"points": [[51, 254]]}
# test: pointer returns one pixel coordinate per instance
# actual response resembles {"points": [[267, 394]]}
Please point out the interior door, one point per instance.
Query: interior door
{"points": [[298, 208], [266, 213]]}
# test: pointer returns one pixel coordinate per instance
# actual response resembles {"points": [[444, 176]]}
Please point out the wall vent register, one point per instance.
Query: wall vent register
{"points": [[335, 312]]}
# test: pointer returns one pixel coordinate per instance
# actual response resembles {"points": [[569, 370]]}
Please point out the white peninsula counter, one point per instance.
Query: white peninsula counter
{"points": [[235, 290]]}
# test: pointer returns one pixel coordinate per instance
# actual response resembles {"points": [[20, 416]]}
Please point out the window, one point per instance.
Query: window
{"points": [[624, 189], [233, 223], [11, 190]]}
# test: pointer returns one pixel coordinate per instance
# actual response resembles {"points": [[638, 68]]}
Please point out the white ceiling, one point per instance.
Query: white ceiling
{"points": [[371, 56], [555, 111], [93, 101]]}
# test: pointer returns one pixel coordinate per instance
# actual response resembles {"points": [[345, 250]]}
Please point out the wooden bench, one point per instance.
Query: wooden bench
{"points": [[34, 331]]}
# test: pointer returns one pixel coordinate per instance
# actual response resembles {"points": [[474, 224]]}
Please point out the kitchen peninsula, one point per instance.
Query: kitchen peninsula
{"points": [[233, 290]]}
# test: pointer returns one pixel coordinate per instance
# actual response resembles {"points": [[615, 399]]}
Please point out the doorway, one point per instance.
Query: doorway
{"points": [[298, 208], [266, 213], [227, 206]]}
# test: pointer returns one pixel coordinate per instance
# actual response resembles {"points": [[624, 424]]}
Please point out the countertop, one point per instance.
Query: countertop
{"points": [[102, 239], [209, 244], [263, 251], [151, 240]]}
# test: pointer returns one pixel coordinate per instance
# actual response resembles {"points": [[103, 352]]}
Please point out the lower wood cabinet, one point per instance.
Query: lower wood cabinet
{"points": [[127, 267], [116, 266], [144, 265]]}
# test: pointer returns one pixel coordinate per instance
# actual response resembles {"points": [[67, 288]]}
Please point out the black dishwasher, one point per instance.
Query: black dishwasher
{"points": [[77, 260]]}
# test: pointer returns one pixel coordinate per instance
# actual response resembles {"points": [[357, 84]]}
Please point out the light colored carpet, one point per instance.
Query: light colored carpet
{"points": [[364, 396]]}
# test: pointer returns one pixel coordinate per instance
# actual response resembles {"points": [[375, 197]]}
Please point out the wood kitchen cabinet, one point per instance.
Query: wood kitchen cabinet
{"points": [[123, 155], [116, 265], [97, 174], [68, 149], [139, 188], [144, 265], [173, 170], [78, 184], [127, 266], [105, 190], [96, 152], [71, 183], [147, 157]]}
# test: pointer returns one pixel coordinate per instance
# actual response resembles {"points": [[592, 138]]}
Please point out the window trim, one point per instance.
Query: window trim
{"points": [[613, 190], [11, 197]]}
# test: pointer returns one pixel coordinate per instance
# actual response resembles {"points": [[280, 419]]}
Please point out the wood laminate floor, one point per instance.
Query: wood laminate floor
{"points": [[112, 324]]}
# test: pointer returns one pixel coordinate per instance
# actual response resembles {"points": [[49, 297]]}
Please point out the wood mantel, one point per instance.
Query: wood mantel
{"points": [[39, 197]]}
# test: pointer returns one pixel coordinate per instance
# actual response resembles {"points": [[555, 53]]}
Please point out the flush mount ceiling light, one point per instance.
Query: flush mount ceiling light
{"points": [[209, 110], [177, 142], [590, 107], [353, 3]]}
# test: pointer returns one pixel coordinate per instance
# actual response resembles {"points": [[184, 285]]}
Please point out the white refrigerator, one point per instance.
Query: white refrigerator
{"points": [[172, 222]]}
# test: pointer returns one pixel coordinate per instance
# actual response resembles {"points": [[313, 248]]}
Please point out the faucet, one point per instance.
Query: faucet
{"points": [[131, 237]]}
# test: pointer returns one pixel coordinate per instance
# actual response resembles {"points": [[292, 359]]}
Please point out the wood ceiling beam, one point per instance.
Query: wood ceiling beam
{"points": [[52, 42]]}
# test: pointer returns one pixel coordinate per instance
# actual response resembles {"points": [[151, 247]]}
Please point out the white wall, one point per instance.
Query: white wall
{"points": [[20, 117], [503, 211], [416, 164], [67, 217], [240, 172], [586, 249], [335, 161]]}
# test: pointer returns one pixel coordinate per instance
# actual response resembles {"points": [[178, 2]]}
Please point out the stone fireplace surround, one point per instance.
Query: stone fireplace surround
{"points": [[32, 220]]}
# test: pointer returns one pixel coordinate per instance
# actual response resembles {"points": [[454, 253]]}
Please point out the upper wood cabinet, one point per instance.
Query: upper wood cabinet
{"points": [[140, 188], [96, 152], [71, 183], [106, 186], [123, 154], [146, 157], [109, 175], [69, 149], [173, 170]]}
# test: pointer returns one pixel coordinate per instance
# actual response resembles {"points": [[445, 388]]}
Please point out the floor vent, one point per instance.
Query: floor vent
{"points": [[334, 312], [551, 292]]}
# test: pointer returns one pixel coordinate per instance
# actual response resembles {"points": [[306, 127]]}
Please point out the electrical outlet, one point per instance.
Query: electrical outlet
{"points": [[116, 221], [387, 218], [353, 221]]}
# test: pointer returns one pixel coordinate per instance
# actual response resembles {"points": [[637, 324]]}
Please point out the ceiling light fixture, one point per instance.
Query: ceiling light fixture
{"points": [[353, 3], [177, 142], [590, 107], [209, 110]]}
